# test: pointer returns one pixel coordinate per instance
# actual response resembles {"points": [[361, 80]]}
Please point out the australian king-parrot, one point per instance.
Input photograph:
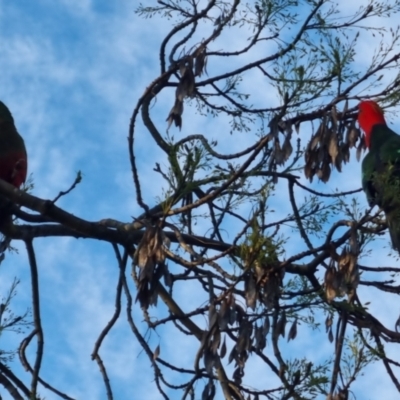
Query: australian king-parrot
{"points": [[13, 157], [381, 166]]}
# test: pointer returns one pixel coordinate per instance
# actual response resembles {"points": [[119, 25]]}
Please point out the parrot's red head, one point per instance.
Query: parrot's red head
{"points": [[369, 114]]}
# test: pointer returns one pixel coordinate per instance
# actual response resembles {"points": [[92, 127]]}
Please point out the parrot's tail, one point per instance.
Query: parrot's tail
{"points": [[393, 221]]}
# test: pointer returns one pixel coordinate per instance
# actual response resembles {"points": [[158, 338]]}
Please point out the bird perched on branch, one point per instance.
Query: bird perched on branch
{"points": [[13, 157], [381, 166]]}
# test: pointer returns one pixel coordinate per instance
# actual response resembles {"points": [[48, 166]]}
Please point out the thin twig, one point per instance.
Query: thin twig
{"points": [[36, 315]]}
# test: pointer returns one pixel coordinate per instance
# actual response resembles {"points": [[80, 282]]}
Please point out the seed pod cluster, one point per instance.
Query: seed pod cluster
{"points": [[342, 275], [263, 276], [328, 327], [228, 315], [280, 151], [150, 258], [263, 283], [330, 145], [190, 66]]}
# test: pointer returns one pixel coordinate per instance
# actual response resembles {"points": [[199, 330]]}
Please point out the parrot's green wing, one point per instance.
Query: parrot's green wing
{"points": [[367, 169], [381, 177]]}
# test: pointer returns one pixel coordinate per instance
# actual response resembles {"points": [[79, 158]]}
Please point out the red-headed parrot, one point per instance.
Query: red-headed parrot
{"points": [[381, 166]]}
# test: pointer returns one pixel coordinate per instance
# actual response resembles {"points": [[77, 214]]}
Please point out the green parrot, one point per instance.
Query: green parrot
{"points": [[381, 166], [13, 158]]}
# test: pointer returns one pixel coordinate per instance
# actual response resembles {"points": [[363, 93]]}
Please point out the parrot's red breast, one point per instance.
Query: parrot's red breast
{"points": [[13, 157], [13, 168]]}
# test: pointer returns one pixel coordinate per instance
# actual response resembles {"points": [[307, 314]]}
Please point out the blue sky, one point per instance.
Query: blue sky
{"points": [[71, 74]]}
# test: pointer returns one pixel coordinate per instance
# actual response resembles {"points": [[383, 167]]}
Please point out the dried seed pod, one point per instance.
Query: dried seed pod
{"points": [[279, 156], [309, 172], [281, 324], [319, 173], [244, 336], [167, 277], [238, 375], [333, 149], [292, 331], [274, 127], [250, 291], [349, 271], [334, 118], [232, 316], [156, 352], [282, 125], [288, 129], [182, 66], [259, 271], [181, 91], [330, 335], [240, 313], [338, 162], [200, 61], [216, 341], [212, 316], [353, 282], [345, 108], [354, 245], [175, 115], [259, 337], [150, 258], [208, 391], [271, 291], [326, 172], [223, 315], [143, 254], [346, 261], [219, 20], [315, 140], [297, 127], [345, 151], [322, 155], [352, 135], [186, 86], [325, 134], [232, 355], [328, 322], [223, 349], [266, 326], [287, 148], [331, 283], [210, 360]]}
